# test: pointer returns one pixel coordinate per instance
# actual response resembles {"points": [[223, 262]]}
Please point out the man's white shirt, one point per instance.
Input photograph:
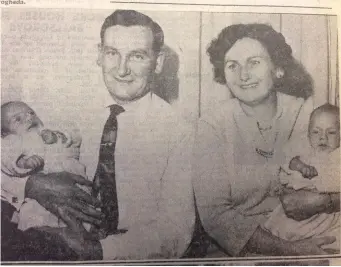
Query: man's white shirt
{"points": [[153, 176]]}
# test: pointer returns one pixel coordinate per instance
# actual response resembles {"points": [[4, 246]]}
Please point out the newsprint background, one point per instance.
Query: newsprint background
{"points": [[49, 54]]}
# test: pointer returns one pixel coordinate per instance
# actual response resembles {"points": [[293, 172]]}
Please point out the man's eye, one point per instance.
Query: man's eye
{"points": [[254, 62], [111, 53], [31, 112], [17, 119], [315, 132], [332, 132], [138, 57]]}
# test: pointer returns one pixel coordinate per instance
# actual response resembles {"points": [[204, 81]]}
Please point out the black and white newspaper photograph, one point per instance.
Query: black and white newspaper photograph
{"points": [[184, 133]]}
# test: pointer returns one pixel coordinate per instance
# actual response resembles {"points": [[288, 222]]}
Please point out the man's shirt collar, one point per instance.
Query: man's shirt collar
{"points": [[141, 104]]}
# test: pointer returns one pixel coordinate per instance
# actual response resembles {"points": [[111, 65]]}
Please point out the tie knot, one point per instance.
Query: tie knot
{"points": [[116, 110]]}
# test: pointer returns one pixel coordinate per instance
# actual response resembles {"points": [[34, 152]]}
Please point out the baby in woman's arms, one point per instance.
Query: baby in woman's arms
{"points": [[28, 148], [313, 167]]}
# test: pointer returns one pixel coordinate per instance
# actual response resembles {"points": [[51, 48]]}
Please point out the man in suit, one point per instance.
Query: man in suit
{"points": [[143, 172]]}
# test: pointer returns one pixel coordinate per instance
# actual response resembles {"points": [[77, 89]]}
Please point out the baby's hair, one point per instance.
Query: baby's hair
{"points": [[327, 108], [4, 126]]}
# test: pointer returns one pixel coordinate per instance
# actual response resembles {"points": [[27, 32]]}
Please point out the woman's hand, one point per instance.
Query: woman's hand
{"points": [[265, 243], [302, 204], [312, 246], [58, 191]]}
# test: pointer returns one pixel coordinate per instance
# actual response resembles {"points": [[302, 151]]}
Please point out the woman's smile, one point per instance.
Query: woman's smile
{"points": [[248, 86]]}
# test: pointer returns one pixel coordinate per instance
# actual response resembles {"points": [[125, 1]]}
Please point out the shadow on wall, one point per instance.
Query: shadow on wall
{"points": [[166, 83], [10, 93]]}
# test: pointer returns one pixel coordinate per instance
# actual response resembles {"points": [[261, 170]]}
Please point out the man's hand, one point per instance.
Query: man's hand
{"points": [[59, 191], [34, 162], [302, 204], [76, 237]]}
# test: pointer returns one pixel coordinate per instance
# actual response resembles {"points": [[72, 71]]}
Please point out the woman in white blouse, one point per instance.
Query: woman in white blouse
{"points": [[238, 146]]}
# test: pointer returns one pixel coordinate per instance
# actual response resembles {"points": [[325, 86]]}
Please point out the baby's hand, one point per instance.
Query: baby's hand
{"points": [[48, 136], [34, 162], [52, 137], [62, 138], [308, 171]]}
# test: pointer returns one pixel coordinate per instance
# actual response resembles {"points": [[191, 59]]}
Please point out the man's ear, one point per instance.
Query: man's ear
{"points": [[159, 62], [99, 55]]}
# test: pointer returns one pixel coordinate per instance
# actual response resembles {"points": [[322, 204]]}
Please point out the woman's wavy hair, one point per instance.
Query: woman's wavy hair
{"points": [[296, 80]]}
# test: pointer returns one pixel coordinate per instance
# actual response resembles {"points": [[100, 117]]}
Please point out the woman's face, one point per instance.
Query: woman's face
{"points": [[249, 71]]}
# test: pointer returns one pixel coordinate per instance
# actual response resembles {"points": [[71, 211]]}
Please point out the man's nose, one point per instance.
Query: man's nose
{"points": [[123, 68], [244, 74]]}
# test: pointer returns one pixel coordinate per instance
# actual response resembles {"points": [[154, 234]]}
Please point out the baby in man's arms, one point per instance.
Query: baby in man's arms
{"points": [[28, 148], [314, 167]]}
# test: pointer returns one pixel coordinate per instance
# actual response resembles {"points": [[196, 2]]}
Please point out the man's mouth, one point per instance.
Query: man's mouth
{"points": [[249, 85], [123, 81]]}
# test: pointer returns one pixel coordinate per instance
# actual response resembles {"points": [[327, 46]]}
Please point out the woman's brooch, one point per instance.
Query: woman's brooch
{"points": [[266, 154]]}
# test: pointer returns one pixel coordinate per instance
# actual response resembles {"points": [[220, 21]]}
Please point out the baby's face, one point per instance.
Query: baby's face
{"points": [[20, 118], [324, 132]]}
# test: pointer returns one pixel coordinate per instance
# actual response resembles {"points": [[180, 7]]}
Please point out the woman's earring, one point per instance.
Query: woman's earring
{"points": [[279, 73]]}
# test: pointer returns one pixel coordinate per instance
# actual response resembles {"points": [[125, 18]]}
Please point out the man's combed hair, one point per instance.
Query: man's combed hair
{"points": [[296, 80], [133, 18]]}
